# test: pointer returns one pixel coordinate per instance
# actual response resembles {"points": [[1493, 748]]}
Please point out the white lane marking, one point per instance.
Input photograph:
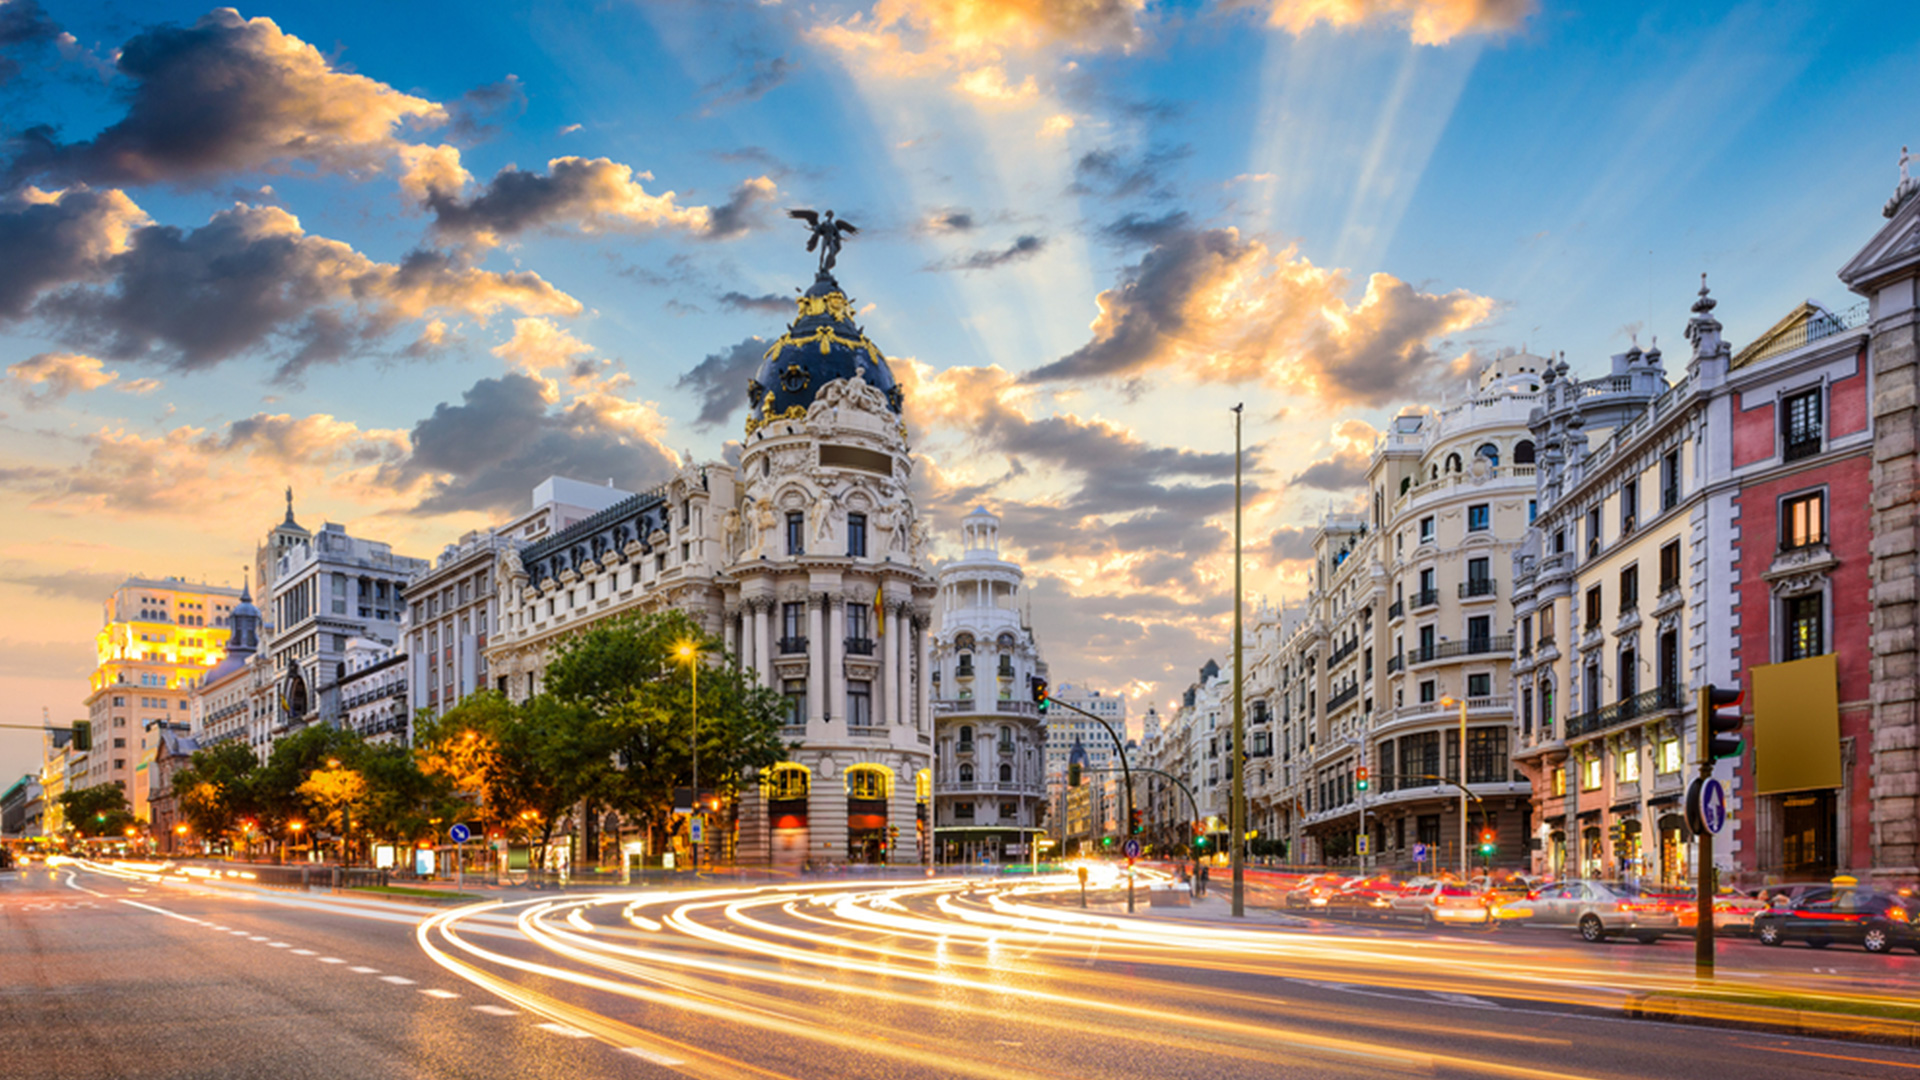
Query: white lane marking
{"points": [[255, 937], [331, 960], [156, 911], [72, 884], [364, 970], [304, 952], [1463, 999], [397, 980], [495, 1010], [441, 994], [278, 945], [238, 933], [657, 1058], [222, 929], [562, 1029]]}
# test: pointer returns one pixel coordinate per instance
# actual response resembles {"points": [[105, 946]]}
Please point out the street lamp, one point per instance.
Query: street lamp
{"points": [[688, 652], [1448, 703], [295, 827]]}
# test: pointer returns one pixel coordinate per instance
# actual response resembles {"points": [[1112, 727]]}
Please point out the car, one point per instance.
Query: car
{"points": [[1443, 902], [1733, 910], [1313, 893], [1874, 920], [1367, 898], [1598, 909]]}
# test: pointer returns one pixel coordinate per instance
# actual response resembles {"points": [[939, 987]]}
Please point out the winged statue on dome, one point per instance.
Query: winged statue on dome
{"points": [[824, 234]]}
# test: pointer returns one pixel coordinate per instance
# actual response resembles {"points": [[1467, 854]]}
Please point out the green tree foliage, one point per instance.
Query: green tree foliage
{"points": [[100, 810], [276, 784], [403, 803], [216, 789]]}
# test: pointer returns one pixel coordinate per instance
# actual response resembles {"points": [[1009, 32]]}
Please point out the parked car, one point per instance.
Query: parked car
{"points": [[1313, 893], [1733, 910], [1367, 898], [1597, 909], [1442, 902], [1876, 921]]}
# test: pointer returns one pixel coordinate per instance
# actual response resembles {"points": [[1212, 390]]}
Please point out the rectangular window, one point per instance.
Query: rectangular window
{"points": [[1630, 505], [1668, 760], [1593, 532], [1800, 426], [1479, 518], [1805, 633], [1533, 510], [859, 703], [1590, 774], [1480, 634], [1629, 589], [796, 533], [1560, 542], [795, 691], [1479, 575], [857, 621], [793, 623], [1626, 768], [1560, 780], [1670, 566], [1426, 530], [1670, 480], [1593, 608], [857, 535], [1486, 755], [1429, 692], [1803, 521], [1480, 685]]}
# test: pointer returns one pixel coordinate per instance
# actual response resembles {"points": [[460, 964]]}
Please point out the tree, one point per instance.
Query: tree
{"points": [[100, 810], [518, 765], [403, 802], [337, 794], [216, 788], [276, 785]]}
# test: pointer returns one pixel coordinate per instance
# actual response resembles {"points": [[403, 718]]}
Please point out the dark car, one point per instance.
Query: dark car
{"points": [[1876, 921]]}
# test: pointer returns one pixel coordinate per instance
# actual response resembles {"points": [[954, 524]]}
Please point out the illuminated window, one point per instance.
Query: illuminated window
{"points": [[1669, 756], [1590, 774], [869, 782], [786, 781], [1627, 770]]}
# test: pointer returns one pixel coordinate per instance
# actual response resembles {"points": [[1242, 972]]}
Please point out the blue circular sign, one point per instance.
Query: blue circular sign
{"points": [[460, 833], [1713, 806], [1131, 848]]}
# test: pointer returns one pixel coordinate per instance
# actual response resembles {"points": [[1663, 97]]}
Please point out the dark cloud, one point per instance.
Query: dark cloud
{"points": [[488, 452], [1336, 473], [740, 213], [24, 25], [768, 302], [229, 95], [55, 243], [473, 113], [720, 380], [1138, 228], [591, 195], [89, 585], [1022, 248], [756, 74], [1291, 543], [948, 220], [1112, 174]]}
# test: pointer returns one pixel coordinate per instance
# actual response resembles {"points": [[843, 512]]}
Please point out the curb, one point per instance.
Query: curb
{"points": [[1811, 1024]]}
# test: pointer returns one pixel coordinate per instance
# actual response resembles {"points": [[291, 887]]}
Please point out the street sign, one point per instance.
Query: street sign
{"points": [[1366, 845], [1706, 805], [1419, 852], [460, 833], [1131, 849], [694, 829]]}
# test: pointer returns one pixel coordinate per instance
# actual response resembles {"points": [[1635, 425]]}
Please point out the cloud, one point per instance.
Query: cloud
{"points": [[282, 442], [249, 276], [1291, 543], [721, 379], [1113, 175], [231, 95], [55, 239], [768, 302], [1139, 229], [948, 220], [70, 660], [538, 346], [1022, 248], [57, 375], [23, 25], [1346, 465], [472, 113], [588, 195], [489, 451], [757, 74], [906, 37], [1428, 22], [85, 584], [1226, 309]]}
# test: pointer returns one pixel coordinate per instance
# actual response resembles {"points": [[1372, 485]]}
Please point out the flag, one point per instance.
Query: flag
{"points": [[879, 614]]}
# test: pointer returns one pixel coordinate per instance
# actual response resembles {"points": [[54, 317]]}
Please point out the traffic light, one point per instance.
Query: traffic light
{"points": [[1107, 841], [1360, 779], [1720, 732], [1135, 824], [1200, 841], [1073, 774], [893, 835], [1488, 841], [1039, 687], [83, 734]]}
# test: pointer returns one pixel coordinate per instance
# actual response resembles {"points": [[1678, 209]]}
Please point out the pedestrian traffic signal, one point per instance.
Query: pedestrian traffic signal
{"points": [[1135, 824], [1719, 731], [1360, 780], [1039, 687], [1488, 841]]}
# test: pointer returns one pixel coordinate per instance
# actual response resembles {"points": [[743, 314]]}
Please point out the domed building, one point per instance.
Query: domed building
{"points": [[805, 558]]}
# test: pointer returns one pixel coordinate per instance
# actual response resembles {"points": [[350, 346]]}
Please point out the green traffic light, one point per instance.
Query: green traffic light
{"points": [[1107, 840]]}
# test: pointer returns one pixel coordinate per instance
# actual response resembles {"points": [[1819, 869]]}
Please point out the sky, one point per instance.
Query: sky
{"points": [[410, 259]]}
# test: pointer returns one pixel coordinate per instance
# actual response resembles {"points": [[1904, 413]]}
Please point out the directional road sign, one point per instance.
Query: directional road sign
{"points": [[1707, 805], [1419, 853], [1131, 849], [1366, 845], [460, 833]]}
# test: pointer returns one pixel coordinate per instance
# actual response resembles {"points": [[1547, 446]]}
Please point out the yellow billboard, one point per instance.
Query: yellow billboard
{"points": [[1796, 725]]}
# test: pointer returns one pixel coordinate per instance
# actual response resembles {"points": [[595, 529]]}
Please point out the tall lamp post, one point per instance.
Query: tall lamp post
{"points": [[1445, 703], [688, 653], [1237, 813]]}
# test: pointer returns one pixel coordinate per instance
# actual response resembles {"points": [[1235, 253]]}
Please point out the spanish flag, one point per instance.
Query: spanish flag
{"points": [[879, 615]]}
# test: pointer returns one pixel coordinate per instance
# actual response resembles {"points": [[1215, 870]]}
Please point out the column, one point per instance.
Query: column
{"points": [[762, 647], [729, 637], [890, 669], [836, 656], [749, 660], [923, 687], [903, 666], [816, 658]]}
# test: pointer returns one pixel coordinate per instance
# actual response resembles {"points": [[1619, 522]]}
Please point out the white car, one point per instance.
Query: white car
{"points": [[1442, 902]]}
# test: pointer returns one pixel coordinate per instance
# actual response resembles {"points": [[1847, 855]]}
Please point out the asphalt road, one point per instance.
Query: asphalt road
{"points": [[103, 976]]}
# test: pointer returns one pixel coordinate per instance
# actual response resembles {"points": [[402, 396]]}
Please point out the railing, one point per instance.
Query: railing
{"points": [[866, 730], [1476, 587], [1620, 712], [1339, 698], [860, 646], [1787, 548], [1396, 662], [1668, 585], [1800, 449], [1821, 326], [963, 671], [1629, 605], [1343, 651], [1396, 609], [964, 746], [1014, 705], [1425, 598], [1473, 646], [790, 645], [1006, 747], [1669, 497]]}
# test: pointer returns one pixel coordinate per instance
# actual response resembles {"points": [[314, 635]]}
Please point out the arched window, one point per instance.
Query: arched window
{"points": [[923, 785], [1435, 474], [1453, 463], [966, 773], [966, 733], [869, 782], [787, 780], [1006, 774], [1523, 452], [1405, 483], [1490, 452]]}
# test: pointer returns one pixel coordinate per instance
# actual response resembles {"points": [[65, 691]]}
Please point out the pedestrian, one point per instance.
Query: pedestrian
{"points": [[1205, 872]]}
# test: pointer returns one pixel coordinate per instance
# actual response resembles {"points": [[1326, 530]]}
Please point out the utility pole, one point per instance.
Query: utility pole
{"points": [[1237, 813]]}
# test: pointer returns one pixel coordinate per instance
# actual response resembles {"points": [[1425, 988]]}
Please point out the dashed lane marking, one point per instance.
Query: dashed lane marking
{"points": [[495, 1010], [255, 937], [657, 1058], [331, 960], [304, 952], [562, 1029], [278, 945], [364, 970], [441, 994], [397, 980]]}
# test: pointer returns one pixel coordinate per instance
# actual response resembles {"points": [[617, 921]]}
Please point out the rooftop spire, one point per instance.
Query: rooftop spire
{"points": [[290, 520]]}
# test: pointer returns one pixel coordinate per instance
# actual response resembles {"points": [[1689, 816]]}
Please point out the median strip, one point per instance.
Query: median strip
{"points": [[1885, 1023]]}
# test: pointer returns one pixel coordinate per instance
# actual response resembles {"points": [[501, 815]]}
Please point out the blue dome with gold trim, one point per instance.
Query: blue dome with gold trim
{"points": [[821, 345]]}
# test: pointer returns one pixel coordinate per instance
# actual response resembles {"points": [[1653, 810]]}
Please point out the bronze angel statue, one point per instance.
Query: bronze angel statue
{"points": [[825, 234]]}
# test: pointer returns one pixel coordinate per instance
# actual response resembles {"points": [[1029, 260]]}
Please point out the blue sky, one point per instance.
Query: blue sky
{"points": [[1087, 230]]}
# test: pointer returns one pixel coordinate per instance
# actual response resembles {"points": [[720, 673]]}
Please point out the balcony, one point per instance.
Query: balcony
{"points": [[1396, 609], [1396, 662], [859, 646], [964, 746], [964, 671], [1546, 644], [1621, 712], [1669, 497], [1449, 650], [1341, 697], [1425, 598], [790, 646], [1342, 652], [1475, 587], [1798, 449]]}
